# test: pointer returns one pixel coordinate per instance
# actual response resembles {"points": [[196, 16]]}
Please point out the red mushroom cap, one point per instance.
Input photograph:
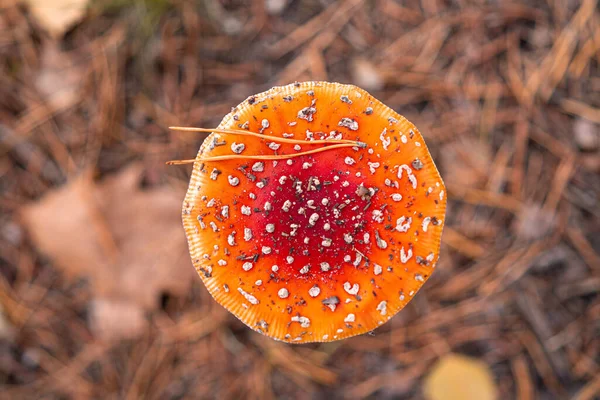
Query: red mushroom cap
{"points": [[322, 246]]}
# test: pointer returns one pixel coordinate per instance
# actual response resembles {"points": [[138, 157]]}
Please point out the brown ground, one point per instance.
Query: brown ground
{"points": [[507, 95]]}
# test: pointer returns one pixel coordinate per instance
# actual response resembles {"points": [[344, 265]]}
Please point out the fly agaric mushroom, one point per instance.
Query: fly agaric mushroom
{"points": [[314, 212]]}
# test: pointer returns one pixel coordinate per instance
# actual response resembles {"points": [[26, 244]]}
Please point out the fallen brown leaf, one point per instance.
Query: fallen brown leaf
{"points": [[126, 240]]}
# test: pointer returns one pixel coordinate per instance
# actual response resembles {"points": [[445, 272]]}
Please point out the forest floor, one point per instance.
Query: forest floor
{"points": [[98, 297]]}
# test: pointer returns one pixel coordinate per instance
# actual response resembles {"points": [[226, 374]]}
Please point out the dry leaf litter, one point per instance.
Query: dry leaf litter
{"points": [[98, 296]]}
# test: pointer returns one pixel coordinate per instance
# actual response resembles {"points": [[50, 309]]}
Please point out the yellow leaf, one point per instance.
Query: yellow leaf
{"points": [[456, 377], [57, 16]]}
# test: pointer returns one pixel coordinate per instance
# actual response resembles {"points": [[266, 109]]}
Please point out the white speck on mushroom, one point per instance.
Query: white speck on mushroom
{"points": [[222, 263], [225, 211], [403, 139], [283, 293], [377, 270], [348, 238], [282, 179], [211, 203], [258, 166], [441, 195], [373, 166], [419, 278], [382, 307], [270, 228], [305, 269], [425, 223], [214, 226], [430, 257], [286, 206], [350, 318], [384, 141], [264, 123], [301, 211], [247, 266], [345, 99], [306, 165], [274, 146], [214, 174], [405, 256], [357, 260], [351, 289], [377, 216], [409, 173], [266, 250], [313, 219], [326, 242], [226, 288], [403, 224], [349, 161], [325, 266], [247, 234], [275, 268], [324, 201], [246, 210], [231, 239], [237, 148], [325, 337], [417, 164], [289, 259], [382, 244], [233, 180], [396, 197], [248, 296], [258, 282], [348, 123], [307, 113], [304, 322], [327, 226], [314, 291]]}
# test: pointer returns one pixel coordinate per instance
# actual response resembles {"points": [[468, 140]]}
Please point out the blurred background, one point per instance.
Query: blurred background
{"points": [[98, 298]]}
